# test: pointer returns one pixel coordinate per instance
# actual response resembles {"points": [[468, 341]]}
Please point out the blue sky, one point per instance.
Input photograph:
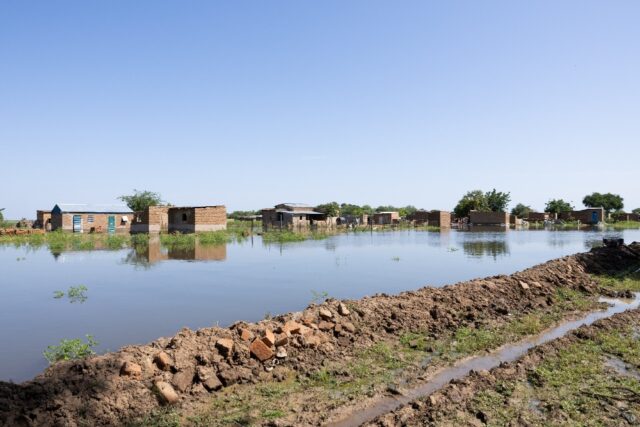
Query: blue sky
{"points": [[251, 103]]}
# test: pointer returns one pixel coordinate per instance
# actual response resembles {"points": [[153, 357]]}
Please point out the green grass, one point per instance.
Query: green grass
{"points": [[624, 281], [573, 386], [624, 225], [284, 236]]}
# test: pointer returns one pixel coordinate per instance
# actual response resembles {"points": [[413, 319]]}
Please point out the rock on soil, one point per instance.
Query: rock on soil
{"points": [[118, 387]]}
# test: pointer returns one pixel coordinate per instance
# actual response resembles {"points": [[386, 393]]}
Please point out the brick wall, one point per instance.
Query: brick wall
{"points": [[440, 219], [488, 218], [197, 219], [99, 223]]}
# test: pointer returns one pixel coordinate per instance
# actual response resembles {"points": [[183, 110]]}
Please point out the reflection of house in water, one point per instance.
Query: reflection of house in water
{"points": [[155, 252], [483, 248]]}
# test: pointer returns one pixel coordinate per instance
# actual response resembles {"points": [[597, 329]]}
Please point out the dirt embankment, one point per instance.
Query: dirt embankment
{"points": [[589, 377], [118, 387]]}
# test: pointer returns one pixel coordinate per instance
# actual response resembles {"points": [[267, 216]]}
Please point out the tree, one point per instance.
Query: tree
{"points": [[497, 200], [329, 209], [1, 215], [610, 202], [352, 210], [240, 214], [472, 201], [521, 210], [406, 211], [636, 211], [558, 206], [140, 200]]}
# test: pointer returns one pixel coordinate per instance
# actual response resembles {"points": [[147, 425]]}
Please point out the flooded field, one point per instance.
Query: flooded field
{"points": [[136, 294]]}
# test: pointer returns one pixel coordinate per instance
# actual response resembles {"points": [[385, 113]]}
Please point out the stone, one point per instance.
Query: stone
{"points": [[260, 350], [282, 353], [182, 380], [268, 337], [245, 334], [230, 376], [163, 360], [212, 383], [166, 391], [348, 326], [326, 326], [281, 340], [325, 313], [131, 369], [313, 341], [343, 310], [524, 285], [225, 346], [291, 327]]}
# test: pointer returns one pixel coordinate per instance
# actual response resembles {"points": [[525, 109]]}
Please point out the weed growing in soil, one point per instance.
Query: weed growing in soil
{"points": [[574, 385], [626, 281], [70, 349]]}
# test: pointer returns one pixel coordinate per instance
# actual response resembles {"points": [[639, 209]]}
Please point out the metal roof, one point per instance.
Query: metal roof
{"points": [[299, 212], [295, 205], [86, 208]]}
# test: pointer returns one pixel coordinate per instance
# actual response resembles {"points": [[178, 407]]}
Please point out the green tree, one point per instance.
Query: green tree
{"points": [[1, 215], [608, 201], [368, 209], [329, 209], [407, 210], [521, 210], [387, 208], [558, 206], [636, 211], [140, 200], [240, 214], [497, 201], [472, 201], [349, 209]]}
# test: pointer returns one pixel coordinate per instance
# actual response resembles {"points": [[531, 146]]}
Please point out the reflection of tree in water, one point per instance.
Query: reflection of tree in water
{"points": [[482, 248]]}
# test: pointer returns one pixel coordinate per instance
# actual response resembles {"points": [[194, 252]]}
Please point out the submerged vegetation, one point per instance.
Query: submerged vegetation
{"points": [[75, 294]]}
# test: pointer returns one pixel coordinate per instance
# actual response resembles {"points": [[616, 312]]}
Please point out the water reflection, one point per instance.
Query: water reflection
{"points": [[484, 248], [148, 253]]}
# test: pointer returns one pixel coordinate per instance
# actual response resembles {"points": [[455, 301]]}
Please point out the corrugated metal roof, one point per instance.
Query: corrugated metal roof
{"points": [[86, 208], [299, 212], [295, 205]]}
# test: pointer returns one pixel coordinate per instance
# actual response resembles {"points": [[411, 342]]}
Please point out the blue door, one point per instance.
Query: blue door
{"points": [[77, 223], [594, 217], [111, 224]]}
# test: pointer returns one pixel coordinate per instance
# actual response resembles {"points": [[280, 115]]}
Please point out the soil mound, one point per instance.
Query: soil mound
{"points": [[114, 388]]}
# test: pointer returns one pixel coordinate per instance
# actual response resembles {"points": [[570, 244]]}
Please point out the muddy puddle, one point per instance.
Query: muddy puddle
{"points": [[507, 353]]}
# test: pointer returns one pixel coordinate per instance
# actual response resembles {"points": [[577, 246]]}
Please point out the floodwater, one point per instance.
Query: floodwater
{"points": [[507, 353], [135, 296]]}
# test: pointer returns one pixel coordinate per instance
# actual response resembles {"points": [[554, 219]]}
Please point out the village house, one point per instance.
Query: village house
{"points": [[386, 218], [82, 218], [185, 219], [586, 216], [537, 216], [294, 215], [43, 220], [624, 216], [489, 218], [434, 218]]}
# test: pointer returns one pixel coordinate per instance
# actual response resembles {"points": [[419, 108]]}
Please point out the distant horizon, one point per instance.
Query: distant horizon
{"points": [[367, 102], [373, 206]]}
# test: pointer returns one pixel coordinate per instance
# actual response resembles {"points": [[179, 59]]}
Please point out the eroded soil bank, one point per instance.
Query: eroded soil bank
{"points": [[589, 377], [314, 366]]}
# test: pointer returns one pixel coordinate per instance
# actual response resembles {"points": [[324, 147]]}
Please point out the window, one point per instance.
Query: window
{"points": [[90, 219], [184, 217], [300, 216]]}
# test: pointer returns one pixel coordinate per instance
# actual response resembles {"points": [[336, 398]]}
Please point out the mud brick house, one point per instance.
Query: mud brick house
{"points": [[585, 216], [537, 216], [386, 218], [435, 218], [185, 219], [43, 220], [81, 218], [623, 216], [294, 215], [489, 218]]}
